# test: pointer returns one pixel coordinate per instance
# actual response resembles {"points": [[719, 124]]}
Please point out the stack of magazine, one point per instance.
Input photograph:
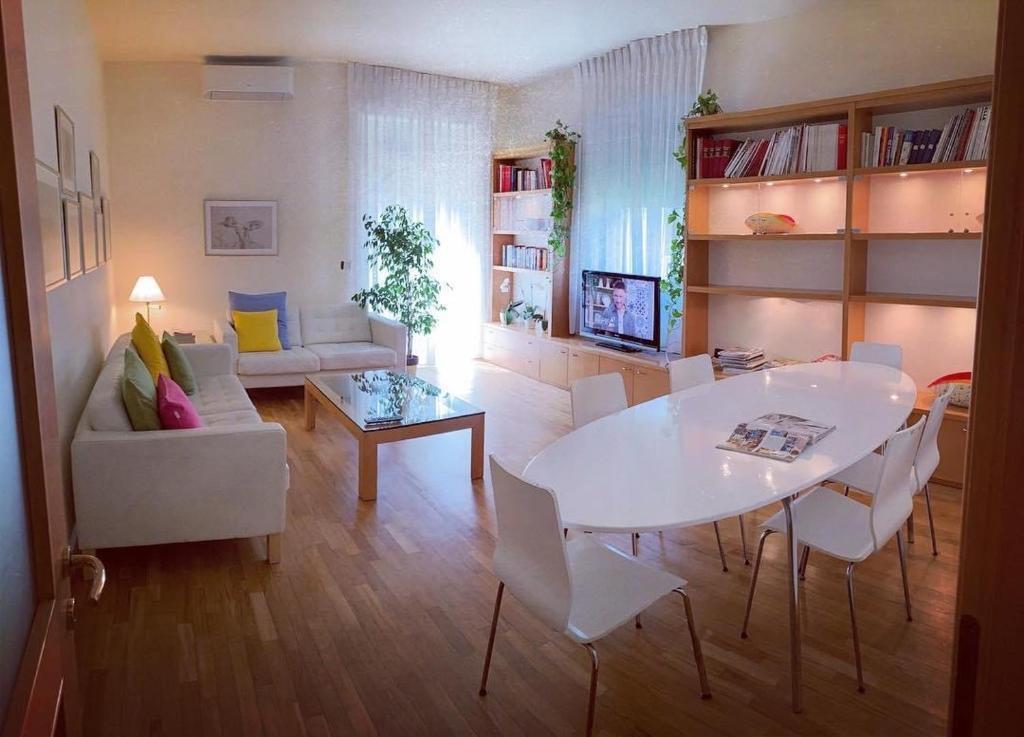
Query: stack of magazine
{"points": [[778, 436], [740, 360]]}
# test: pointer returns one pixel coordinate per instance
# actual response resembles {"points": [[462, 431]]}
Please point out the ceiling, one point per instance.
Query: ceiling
{"points": [[495, 40]]}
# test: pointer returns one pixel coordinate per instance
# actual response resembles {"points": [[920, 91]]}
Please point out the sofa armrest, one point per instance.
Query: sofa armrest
{"points": [[224, 332], [392, 334], [146, 488], [209, 359]]}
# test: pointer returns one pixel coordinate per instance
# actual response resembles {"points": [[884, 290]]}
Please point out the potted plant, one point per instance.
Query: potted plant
{"points": [[402, 250], [510, 313]]}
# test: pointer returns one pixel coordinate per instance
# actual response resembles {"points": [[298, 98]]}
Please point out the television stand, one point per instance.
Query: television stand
{"points": [[617, 346]]}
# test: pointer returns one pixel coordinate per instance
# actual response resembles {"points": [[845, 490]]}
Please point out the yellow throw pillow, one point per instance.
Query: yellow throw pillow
{"points": [[147, 345], [257, 331]]}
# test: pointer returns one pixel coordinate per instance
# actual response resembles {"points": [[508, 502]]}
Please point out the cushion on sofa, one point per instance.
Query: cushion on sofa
{"points": [[340, 323], [139, 393], [293, 361], [176, 412], [241, 302], [147, 345], [257, 331], [178, 363], [348, 356]]}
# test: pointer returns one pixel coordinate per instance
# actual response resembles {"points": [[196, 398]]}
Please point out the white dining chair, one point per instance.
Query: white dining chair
{"points": [[577, 586], [685, 373], [863, 474], [850, 531], [887, 354], [594, 397]]}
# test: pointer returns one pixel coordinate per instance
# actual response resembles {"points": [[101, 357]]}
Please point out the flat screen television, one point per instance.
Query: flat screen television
{"points": [[621, 310]]}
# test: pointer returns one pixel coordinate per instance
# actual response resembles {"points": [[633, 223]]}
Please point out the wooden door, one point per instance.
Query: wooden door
{"points": [[37, 674], [608, 365], [581, 365], [554, 363]]}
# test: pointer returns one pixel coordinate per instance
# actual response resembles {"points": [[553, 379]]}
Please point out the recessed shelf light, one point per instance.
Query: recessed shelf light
{"points": [[904, 174], [726, 186], [770, 184], [968, 171], [818, 180]]}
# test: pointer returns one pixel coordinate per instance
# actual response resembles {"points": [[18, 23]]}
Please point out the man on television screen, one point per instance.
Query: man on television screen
{"points": [[616, 316]]}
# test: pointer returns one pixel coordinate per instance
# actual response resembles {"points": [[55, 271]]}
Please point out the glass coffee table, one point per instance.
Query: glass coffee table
{"points": [[384, 407]]}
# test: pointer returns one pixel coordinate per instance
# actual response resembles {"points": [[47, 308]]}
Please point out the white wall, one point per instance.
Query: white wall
{"points": [[64, 69], [171, 149], [527, 112]]}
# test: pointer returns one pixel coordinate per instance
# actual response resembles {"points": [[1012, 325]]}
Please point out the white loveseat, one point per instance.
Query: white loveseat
{"points": [[228, 479], [336, 338]]}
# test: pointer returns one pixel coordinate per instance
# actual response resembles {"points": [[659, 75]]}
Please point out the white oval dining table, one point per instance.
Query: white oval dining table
{"points": [[655, 466]]}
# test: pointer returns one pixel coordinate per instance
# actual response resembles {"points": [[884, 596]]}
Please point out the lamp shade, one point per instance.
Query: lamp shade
{"points": [[146, 290]]}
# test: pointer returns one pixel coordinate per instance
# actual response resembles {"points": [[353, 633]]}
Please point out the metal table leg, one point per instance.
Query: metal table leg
{"points": [[794, 607]]}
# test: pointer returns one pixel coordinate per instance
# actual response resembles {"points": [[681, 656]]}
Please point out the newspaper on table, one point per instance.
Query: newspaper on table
{"points": [[776, 435]]}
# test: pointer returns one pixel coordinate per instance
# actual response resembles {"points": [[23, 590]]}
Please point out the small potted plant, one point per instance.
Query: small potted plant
{"points": [[511, 313], [402, 249]]}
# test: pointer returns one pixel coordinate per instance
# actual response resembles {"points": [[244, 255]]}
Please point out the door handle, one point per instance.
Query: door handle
{"points": [[99, 573]]}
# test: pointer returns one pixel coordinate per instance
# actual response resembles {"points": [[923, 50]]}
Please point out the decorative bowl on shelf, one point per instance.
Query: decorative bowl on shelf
{"points": [[769, 223]]}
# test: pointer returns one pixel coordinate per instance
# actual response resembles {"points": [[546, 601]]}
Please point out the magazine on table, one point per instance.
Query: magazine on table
{"points": [[776, 435]]}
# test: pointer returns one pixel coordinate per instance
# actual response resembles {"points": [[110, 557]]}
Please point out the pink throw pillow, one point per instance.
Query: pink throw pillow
{"points": [[172, 404]]}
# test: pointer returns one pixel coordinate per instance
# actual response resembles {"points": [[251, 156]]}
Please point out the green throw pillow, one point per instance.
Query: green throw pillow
{"points": [[181, 369], [139, 393]]}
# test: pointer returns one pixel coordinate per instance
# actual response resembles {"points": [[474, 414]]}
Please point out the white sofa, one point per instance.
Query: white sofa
{"points": [[228, 479], [337, 338]]}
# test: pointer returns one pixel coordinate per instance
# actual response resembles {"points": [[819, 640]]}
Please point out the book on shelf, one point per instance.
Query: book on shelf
{"points": [[524, 257], [733, 361], [965, 137], [524, 179], [793, 150], [776, 435]]}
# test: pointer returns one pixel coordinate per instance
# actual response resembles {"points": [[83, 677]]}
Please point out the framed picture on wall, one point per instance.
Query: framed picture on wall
{"points": [[51, 215], [66, 152], [241, 228], [73, 237], [94, 176], [108, 245], [87, 217]]}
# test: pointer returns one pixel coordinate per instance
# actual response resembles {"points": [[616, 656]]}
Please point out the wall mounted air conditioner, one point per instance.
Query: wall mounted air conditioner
{"points": [[237, 82]]}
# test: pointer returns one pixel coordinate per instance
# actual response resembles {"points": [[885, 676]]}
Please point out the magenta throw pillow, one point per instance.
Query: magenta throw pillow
{"points": [[172, 404]]}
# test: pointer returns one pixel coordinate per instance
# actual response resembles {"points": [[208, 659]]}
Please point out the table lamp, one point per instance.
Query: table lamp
{"points": [[146, 290]]}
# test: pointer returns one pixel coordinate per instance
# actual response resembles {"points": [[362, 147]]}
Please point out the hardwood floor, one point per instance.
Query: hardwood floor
{"points": [[376, 621]]}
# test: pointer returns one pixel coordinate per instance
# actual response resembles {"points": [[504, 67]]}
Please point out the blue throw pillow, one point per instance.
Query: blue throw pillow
{"points": [[239, 302]]}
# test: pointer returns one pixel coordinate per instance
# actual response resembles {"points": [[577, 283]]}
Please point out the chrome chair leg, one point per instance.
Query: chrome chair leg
{"points": [[853, 625], [635, 539], [753, 580], [490, 640], [698, 653], [803, 562], [931, 521], [721, 550], [743, 540], [593, 688], [910, 528], [903, 570]]}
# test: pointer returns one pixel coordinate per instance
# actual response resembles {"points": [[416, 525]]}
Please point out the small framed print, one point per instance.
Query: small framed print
{"points": [[108, 245], [73, 237], [87, 218], [241, 228], [94, 176], [51, 232], [66, 152]]}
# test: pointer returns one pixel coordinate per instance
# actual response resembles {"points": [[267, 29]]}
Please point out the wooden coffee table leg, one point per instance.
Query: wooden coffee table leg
{"points": [[367, 468], [476, 461], [310, 410]]}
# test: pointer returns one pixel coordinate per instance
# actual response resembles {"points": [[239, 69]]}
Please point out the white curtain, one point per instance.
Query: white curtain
{"points": [[632, 101], [424, 142]]}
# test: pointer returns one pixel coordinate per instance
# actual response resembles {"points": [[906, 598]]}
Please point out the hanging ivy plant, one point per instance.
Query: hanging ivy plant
{"points": [[705, 104], [563, 178]]}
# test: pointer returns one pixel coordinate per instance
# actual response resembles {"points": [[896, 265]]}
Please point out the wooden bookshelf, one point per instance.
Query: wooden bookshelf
{"points": [[523, 218], [867, 210]]}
